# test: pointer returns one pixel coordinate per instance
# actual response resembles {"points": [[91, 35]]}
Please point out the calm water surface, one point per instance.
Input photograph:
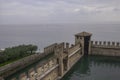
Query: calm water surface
{"points": [[95, 68], [44, 35]]}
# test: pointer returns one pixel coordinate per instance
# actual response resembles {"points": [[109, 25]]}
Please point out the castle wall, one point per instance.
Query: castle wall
{"points": [[22, 76], [53, 75], [105, 48], [32, 74], [22, 63], [73, 48], [46, 70], [50, 48], [52, 69], [74, 57], [17, 65]]}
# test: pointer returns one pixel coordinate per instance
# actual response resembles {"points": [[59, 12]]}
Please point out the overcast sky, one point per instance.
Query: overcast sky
{"points": [[59, 11]]}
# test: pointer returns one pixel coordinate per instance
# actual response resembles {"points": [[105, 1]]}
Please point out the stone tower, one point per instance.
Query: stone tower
{"points": [[84, 39]]}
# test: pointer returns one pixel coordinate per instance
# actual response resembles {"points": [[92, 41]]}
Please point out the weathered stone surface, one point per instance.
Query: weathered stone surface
{"points": [[15, 66], [23, 76]]}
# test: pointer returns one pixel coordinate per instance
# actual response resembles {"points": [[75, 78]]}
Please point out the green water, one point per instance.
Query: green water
{"points": [[95, 68]]}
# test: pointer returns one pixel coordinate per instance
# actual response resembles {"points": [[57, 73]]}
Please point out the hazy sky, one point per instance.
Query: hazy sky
{"points": [[59, 11]]}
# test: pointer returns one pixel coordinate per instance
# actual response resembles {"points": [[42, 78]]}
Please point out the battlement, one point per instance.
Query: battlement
{"points": [[68, 47], [50, 48], [65, 46], [105, 44]]}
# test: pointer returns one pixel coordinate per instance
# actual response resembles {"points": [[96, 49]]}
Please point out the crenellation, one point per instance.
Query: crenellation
{"points": [[96, 42], [61, 44], [92, 42], [113, 43], [104, 43], [67, 48], [72, 45], [100, 43], [50, 48], [108, 43], [117, 44], [106, 49], [67, 45]]}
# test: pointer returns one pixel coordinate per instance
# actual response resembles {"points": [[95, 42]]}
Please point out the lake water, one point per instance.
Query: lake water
{"points": [[95, 68], [44, 35]]}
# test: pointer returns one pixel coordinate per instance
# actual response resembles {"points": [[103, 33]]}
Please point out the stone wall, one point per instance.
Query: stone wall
{"points": [[44, 70], [22, 76], [105, 48], [50, 48], [106, 44], [22, 63], [74, 48], [74, 58], [53, 75], [17, 65]]}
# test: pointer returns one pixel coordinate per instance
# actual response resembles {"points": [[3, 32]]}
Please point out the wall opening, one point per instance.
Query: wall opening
{"points": [[86, 45]]}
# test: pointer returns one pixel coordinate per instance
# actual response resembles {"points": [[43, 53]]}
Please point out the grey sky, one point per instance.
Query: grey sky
{"points": [[59, 11]]}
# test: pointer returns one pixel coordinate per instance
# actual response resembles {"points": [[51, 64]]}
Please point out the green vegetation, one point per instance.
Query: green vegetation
{"points": [[12, 54]]}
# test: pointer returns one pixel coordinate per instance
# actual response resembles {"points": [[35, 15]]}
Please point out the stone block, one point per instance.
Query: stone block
{"points": [[92, 42], [31, 74], [117, 44], [23, 76], [104, 43], [39, 70], [113, 43], [100, 43], [109, 43], [96, 42]]}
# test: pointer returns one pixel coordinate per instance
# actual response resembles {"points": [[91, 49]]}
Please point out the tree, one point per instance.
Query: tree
{"points": [[17, 52], [32, 48]]}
